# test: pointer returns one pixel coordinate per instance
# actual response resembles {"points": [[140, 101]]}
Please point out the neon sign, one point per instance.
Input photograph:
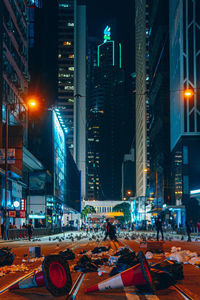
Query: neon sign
{"points": [[107, 34]]}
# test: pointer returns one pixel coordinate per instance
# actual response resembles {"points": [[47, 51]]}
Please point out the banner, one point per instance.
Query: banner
{"points": [[10, 156]]}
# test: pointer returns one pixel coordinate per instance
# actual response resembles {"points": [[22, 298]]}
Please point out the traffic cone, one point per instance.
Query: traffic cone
{"points": [[139, 275], [55, 276]]}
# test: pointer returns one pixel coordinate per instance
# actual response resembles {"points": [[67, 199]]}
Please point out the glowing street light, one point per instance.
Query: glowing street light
{"points": [[32, 103], [129, 193], [188, 93]]}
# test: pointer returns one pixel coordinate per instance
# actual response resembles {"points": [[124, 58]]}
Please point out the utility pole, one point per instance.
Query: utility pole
{"points": [[6, 176]]}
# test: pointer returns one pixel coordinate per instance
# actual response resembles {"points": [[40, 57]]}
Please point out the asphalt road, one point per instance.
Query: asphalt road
{"points": [[189, 286]]}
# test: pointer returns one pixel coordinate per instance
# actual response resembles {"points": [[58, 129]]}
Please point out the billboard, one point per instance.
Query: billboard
{"points": [[37, 181], [59, 149]]}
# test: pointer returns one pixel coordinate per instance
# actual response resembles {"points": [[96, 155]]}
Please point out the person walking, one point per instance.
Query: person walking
{"points": [[110, 231], [188, 230], [158, 223], [30, 230], [2, 230]]}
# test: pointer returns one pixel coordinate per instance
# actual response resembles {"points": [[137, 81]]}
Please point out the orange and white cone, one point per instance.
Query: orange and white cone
{"points": [[55, 276], [139, 275], [33, 281]]}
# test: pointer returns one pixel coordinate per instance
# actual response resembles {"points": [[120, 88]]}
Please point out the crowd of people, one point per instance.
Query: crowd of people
{"points": [[27, 228]]}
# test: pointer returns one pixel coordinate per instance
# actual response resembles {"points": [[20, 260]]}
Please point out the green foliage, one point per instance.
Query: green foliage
{"points": [[88, 209], [125, 208]]}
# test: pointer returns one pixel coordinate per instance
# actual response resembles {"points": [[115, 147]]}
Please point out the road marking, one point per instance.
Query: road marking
{"points": [[18, 280], [78, 287], [132, 294]]}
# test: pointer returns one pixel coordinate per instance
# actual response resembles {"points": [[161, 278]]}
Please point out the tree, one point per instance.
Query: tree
{"points": [[125, 208], [88, 209]]}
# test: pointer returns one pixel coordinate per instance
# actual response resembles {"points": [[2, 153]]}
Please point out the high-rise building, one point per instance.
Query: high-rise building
{"points": [[14, 78], [71, 101], [157, 34], [142, 101], [65, 33], [185, 110], [106, 120]]}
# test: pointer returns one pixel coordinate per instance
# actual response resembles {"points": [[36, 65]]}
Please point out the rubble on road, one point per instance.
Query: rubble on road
{"points": [[12, 269], [183, 256], [68, 254]]}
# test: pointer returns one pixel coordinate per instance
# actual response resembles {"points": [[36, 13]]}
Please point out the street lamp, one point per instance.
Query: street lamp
{"points": [[188, 93], [32, 103]]}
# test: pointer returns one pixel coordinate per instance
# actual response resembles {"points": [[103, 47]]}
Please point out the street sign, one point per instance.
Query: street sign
{"points": [[22, 214], [12, 214], [10, 155]]}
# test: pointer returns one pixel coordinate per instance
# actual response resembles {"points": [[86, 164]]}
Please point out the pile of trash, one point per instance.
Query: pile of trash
{"points": [[6, 257], [68, 254], [12, 269], [91, 260], [33, 260], [183, 256]]}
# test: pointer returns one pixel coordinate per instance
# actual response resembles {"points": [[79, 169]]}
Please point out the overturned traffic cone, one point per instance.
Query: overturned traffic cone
{"points": [[139, 276], [55, 276]]}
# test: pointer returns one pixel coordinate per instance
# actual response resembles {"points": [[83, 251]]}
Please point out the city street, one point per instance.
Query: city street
{"points": [[188, 288]]}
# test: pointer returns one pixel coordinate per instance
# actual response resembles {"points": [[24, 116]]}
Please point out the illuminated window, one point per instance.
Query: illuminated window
{"points": [[71, 55], [71, 68], [67, 87], [64, 5], [59, 55], [71, 100], [67, 43], [70, 24]]}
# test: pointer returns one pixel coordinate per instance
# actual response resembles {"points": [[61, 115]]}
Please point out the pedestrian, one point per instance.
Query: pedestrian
{"points": [[198, 228], [188, 229], [158, 224], [30, 230], [110, 231], [2, 230]]}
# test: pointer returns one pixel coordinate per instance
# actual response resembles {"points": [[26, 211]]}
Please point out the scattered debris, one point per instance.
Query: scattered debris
{"points": [[6, 257], [13, 269], [68, 254]]}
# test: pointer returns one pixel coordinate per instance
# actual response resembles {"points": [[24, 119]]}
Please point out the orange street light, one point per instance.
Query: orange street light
{"points": [[188, 93], [129, 193], [32, 103]]}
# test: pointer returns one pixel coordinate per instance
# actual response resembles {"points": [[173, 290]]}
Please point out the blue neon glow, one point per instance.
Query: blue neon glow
{"points": [[59, 159], [107, 34], [195, 192]]}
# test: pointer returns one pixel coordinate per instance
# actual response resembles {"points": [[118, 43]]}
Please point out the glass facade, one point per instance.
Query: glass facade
{"points": [[59, 159]]}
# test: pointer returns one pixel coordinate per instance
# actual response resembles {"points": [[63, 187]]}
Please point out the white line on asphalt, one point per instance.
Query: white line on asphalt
{"points": [[78, 287], [16, 281], [134, 295]]}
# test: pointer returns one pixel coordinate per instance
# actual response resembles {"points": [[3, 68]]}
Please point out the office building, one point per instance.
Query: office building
{"points": [[157, 35], [106, 121], [142, 100], [184, 27], [14, 78]]}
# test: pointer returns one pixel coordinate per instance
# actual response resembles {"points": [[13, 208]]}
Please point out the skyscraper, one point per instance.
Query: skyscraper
{"points": [[71, 101], [157, 34], [185, 110], [106, 119], [65, 34], [142, 101]]}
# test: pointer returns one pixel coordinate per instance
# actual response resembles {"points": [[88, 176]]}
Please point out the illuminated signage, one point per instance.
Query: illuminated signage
{"points": [[59, 159], [107, 34], [16, 204]]}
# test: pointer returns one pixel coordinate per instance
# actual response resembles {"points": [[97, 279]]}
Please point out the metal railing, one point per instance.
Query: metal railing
{"points": [[14, 234]]}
